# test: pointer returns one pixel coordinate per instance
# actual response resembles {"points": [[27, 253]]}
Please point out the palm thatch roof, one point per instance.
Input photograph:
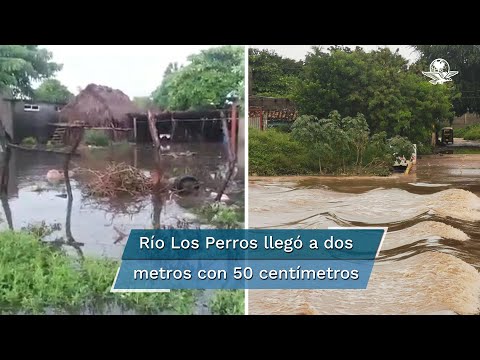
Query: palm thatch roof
{"points": [[99, 106]]}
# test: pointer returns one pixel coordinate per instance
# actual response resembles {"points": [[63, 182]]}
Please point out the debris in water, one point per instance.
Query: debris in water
{"points": [[119, 178]]}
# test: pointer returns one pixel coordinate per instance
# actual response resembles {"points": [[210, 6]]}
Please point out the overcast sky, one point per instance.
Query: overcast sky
{"points": [[298, 52], [135, 69]]}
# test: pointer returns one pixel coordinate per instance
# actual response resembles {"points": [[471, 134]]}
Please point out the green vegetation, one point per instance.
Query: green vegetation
{"points": [[272, 152], [378, 84], [471, 132], [228, 302], [22, 64], [52, 90], [29, 141], [386, 105], [334, 145], [272, 74], [35, 276], [96, 138], [462, 58], [222, 216], [204, 82]]}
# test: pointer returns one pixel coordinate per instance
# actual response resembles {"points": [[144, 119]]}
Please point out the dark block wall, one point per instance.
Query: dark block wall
{"points": [[34, 123]]}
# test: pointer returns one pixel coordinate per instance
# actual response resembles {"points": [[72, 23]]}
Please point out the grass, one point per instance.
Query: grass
{"points": [[96, 138], [228, 302], [35, 276], [273, 153], [29, 141], [471, 132], [222, 216]]}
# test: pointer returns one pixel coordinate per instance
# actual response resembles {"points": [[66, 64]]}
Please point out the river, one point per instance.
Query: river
{"points": [[430, 260]]}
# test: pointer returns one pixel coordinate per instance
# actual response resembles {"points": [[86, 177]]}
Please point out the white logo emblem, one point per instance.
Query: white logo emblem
{"points": [[439, 72]]}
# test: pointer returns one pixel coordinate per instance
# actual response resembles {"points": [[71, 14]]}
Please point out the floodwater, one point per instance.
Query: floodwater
{"points": [[430, 260], [101, 226]]}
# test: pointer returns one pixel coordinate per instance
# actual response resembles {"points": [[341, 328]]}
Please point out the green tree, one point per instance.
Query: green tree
{"points": [[22, 64], [462, 58], [272, 74], [205, 81], [357, 133], [52, 90], [319, 135], [378, 84]]}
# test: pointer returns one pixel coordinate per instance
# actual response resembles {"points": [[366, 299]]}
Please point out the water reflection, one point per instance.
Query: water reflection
{"points": [[102, 224]]}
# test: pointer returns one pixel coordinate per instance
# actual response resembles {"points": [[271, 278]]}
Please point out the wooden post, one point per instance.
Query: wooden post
{"points": [[261, 119], [153, 129], [233, 128], [135, 129]]}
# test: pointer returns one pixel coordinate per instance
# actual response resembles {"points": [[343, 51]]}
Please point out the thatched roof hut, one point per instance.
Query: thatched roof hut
{"points": [[99, 106]]}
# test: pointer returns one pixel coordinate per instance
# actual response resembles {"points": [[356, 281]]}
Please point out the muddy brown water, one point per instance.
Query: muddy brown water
{"points": [[430, 259]]}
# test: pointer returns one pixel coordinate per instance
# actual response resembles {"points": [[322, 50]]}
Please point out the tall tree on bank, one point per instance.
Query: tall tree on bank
{"points": [[272, 74], [52, 90], [462, 58], [378, 84], [205, 81], [22, 64]]}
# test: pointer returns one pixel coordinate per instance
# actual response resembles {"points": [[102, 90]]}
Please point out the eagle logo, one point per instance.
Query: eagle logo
{"points": [[439, 72]]}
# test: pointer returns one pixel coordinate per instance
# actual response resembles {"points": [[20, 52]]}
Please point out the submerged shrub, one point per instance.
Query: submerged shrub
{"points": [[29, 141], [228, 302], [96, 138]]}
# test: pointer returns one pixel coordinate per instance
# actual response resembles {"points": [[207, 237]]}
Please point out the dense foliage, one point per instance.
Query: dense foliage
{"points": [[20, 65], [466, 60], [52, 90], [333, 145], [377, 84], [205, 82], [272, 74]]}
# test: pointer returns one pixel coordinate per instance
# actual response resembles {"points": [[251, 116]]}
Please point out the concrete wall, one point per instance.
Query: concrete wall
{"points": [[33, 123], [465, 120]]}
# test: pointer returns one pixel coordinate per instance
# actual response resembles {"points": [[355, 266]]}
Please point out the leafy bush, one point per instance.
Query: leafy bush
{"points": [[472, 133], [460, 132], [35, 276], [96, 138], [273, 152], [424, 149], [29, 141], [401, 146], [228, 302], [222, 216]]}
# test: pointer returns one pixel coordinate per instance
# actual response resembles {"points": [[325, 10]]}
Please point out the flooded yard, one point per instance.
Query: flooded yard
{"points": [[430, 259], [90, 226], [100, 224]]}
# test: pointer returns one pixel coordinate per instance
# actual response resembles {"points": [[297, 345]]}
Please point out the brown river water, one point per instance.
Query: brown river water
{"points": [[430, 260]]}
